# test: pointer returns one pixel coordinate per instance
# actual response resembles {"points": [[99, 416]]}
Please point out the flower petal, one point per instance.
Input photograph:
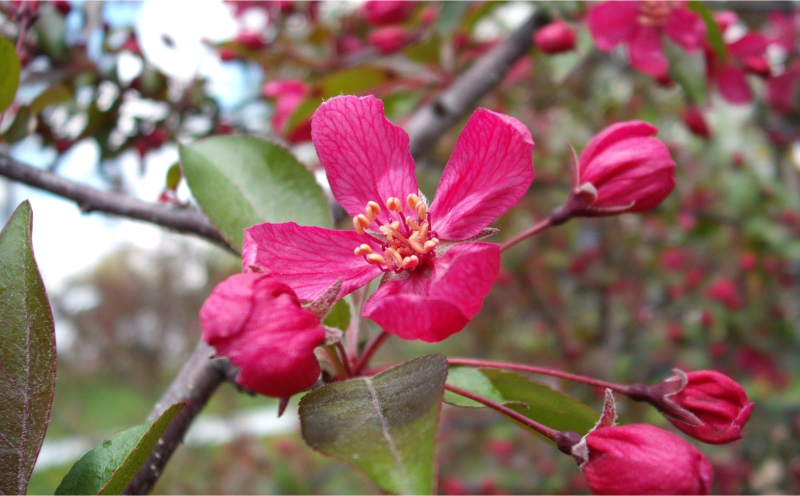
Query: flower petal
{"points": [[309, 259], [733, 86], [365, 156], [613, 134], [257, 322], [749, 45], [646, 51], [489, 171], [612, 22], [686, 28], [435, 303]]}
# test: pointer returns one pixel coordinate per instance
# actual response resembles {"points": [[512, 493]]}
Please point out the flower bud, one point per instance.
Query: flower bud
{"points": [[556, 37], [389, 39], [257, 322], [694, 120], [382, 13], [643, 459], [706, 405], [725, 291], [288, 96]]}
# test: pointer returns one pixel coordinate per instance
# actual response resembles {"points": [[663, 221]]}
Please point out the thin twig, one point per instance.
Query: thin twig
{"points": [[90, 200], [371, 349]]}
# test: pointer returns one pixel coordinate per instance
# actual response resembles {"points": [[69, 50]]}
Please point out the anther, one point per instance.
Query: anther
{"points": [[393, 203], [423, 230], [422, 210], [410, 262], [412, 223], [391, 252], [412, 201], [430, 245], [360, 222], [376, 259], [373, 210], [416, 246], [364, 249]]}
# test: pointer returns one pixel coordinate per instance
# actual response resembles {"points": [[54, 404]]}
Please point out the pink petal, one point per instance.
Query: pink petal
{"points": [[365, 156], [686, 28], [288, 94], [646, 51], [749, 45], [612, 22], [611, 135], [257, 322], [733, 86], [489, 171], [435, 303], [309, 259]]}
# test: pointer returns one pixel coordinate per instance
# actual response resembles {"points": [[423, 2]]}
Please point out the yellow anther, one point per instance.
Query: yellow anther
{"points": [[416, 246], [410, 262], [423, 230], [376, 259], [430, 245], [358, 251], [365, 249], [391, 252], [412, 201], [373, 209], [412, 223], [393, 203], [357, 225], [395, 225], [422, 211]]}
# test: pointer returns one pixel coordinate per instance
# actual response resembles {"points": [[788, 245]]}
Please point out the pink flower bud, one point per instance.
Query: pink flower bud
{"points": [[708, 406], [250, 40], [643, 459], [389, 39], [725, 291], [694, 120], [257, 322], [623, 169], [556, 37], [381, 13]]}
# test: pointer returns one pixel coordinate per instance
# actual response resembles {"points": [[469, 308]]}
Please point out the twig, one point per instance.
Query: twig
{"points": [[430, 122], [371, 349], [91, 200], [195, 383]]}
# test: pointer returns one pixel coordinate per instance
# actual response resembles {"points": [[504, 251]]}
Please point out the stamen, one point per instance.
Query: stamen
{"points": [[430, 245], [423, 230], [376, 259], [412, 223], [360, 222], [391, 252], [416, 246], [410, 262], [422, 211], [412, 201], [364, 249], [373, 210], [393, 203]]}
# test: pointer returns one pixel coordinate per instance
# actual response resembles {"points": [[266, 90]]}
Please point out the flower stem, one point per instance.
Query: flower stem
{"points": [[540, 428], [541, 226], [337, 363], [345, 361], [622, 389], [371, 349]]}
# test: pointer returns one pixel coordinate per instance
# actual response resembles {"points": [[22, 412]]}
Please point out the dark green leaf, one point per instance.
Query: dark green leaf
{"points": [[174, 176], [23, 125], [450, 17], [51, 96], [385, 425], [27, 354], [713, 32], [535, 401], [688, 70], [240, 181], [9, 74], [339, 316], [111, 466]]}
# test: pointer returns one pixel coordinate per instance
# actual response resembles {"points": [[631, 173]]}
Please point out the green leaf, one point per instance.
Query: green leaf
{"points": [[688, 70], [339, 316], [9, 75], [535, 401], [303, 112], [450, 17], [111, 466], [27, 354], [51, 96], [240, 181], [50, 30], [174, 176], [713, 32], [352, 81], [24, 124], [383, 425]]}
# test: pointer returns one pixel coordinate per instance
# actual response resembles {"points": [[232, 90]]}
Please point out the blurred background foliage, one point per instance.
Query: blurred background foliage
{"points": [[709, 280]]}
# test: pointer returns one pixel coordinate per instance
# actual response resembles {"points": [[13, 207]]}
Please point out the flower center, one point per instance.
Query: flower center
{"points": [[654, 12], [409, 241]]}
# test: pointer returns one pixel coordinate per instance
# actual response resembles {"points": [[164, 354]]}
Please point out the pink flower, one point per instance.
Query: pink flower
{"points": [[556, 37], [694, 120], [432, 283], [783, 29], [622, 169], [745, 55], [725, 291], [643, 459], [381, 13], [288, 95], [390, 39], [640, 26], [257, 322], [782, 90], [706, 405]]}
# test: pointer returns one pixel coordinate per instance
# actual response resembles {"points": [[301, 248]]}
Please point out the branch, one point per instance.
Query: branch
{"points": [[90, 200], [196, 382], [431, 121]]}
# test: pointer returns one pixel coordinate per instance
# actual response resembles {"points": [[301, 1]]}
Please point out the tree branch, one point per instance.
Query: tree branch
{"points": [[430, 122], [90, 199]]}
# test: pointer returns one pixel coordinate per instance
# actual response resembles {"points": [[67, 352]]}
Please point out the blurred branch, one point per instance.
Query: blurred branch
{"points": [[431, 121], [196, 382], [90, 200]]}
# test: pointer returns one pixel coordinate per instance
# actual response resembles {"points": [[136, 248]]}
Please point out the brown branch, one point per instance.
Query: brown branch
{"points": [[89, 199], [430, 122]]}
